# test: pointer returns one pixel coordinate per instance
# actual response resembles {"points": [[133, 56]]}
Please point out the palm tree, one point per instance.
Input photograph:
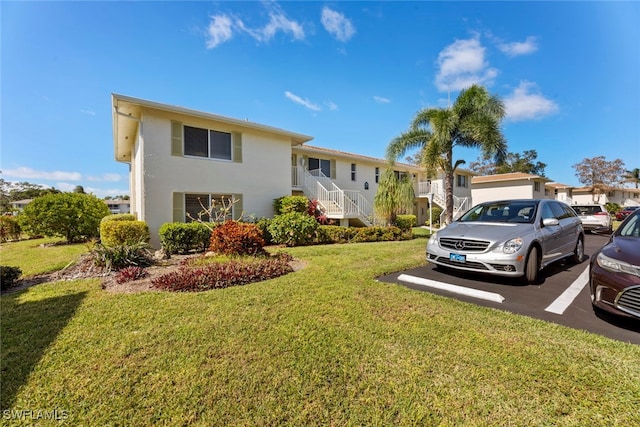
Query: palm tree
{"points": [[632, 176], [472, 121]]}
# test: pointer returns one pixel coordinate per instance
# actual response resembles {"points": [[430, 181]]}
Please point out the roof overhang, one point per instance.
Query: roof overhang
{"points": [[127, 112]]}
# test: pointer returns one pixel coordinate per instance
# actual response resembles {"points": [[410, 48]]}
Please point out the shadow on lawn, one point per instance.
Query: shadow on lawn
{"points": [[28, 329]]}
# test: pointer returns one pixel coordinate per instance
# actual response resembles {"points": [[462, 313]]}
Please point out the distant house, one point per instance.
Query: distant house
{"points": [[118, 206], [621, 196], [514, 185], [19, 205]]}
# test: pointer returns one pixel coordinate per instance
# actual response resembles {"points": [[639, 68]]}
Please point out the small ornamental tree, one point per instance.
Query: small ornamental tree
{"points": [[74, 216]]}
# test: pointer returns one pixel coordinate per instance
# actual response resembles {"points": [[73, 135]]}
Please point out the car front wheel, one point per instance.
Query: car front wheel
{"points": [[578, 252], [532, 267]]}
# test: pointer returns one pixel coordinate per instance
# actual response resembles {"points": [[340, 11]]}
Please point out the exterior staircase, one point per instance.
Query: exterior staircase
{"points": [[333, 201]]}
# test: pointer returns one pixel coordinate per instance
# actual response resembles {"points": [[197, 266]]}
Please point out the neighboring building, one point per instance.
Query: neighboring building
{"points": [[621, 196], [502, 186], [118, 206], [19, 205], [557, 191]]}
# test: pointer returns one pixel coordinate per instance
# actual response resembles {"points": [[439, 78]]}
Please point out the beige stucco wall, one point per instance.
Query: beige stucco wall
{"points": [[263, 175], [486, 192]]}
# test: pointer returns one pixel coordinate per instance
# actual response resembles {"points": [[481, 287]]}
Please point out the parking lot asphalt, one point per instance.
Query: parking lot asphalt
{"points": [[562, 296]]}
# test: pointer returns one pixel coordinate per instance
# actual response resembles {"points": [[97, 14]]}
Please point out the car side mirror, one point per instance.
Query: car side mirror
{"points": [[548, 222]]}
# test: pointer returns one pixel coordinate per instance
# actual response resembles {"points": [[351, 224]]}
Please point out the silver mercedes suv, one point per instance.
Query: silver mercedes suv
{"points": [[516, 238]]}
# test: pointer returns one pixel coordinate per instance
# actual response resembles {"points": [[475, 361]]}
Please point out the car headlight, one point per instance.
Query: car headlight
{"points": [[433, 239], [512, 246], [617, 266]]}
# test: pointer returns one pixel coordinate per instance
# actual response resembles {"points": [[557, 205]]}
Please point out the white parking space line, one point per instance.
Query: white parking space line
{"points": [[461, 290], [563, 301]]}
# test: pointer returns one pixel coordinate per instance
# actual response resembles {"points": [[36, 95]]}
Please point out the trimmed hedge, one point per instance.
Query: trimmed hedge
{"points": [[406, 222], [123, 232], [327, 234], [9, 228], [118, 217], [435, 213], [183, 237]]}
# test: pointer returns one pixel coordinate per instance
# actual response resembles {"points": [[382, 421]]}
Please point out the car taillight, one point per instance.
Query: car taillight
{"points": [[601, 213]]}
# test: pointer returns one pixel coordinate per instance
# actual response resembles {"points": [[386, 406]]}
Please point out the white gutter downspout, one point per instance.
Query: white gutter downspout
{"points": [[132, 179]]}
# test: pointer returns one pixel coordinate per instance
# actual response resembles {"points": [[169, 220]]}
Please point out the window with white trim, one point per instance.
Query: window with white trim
{"points": [[461, 181], [377, 175], [536, 186], [198, 206], [207, 143], [353, 171]]}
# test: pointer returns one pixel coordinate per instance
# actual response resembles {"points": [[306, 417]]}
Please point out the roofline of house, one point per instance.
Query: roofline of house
{"points": [[296, 138]]}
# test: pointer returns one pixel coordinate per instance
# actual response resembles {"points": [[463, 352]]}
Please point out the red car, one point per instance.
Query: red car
{"points": [[614, 271], [621, 215]]}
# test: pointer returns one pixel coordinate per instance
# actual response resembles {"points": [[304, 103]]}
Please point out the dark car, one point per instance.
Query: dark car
{"points": [[620, 215], [614, 271]]}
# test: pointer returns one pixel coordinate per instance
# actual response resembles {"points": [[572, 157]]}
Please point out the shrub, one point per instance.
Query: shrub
{"points": [[406, 222], [334, 234], [612, 208], [9, 228], [263, 226], [8, 276], [237, 238], [123, 232], [289, 204], [435, 213], [119, 217], [181, 237], [222, 275], [293, 229], [74, 216], [378, 234], [122, 256], [129, 274]]}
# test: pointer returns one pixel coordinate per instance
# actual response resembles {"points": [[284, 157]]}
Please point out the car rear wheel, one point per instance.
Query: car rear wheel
{"points": [[578, 252], [532, 267]]}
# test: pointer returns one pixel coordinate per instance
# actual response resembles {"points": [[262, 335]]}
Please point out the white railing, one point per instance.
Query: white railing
{"points": [[334, 200], [460, 206]]}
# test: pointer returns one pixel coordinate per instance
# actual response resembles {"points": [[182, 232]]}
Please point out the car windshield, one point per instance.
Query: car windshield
{"points": [[630, 228], [521, 211]]}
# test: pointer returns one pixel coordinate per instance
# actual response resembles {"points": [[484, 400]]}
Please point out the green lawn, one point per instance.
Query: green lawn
{"points": [[327, 345], [34, 257]]}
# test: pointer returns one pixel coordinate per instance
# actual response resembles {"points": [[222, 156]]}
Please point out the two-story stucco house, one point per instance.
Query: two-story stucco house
{"points": [[514, 185], [180, 159]]}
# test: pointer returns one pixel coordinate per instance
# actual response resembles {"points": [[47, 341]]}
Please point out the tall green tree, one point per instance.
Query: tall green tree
{"points": [[394, 197], [74, 216], [472, 121], [513, 162], [632, 176]]}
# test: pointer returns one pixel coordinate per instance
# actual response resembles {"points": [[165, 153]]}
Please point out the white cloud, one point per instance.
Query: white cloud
{"points": [[304, 102], [278, 21], [107, 177], [28, 173], [522, 104], [219, 31], [331, 105], [337, 25], [462, 64], [526, 47], [88, 112], [381, 100]]}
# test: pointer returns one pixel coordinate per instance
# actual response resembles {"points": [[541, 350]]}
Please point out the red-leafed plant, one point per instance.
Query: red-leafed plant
{"points": [[237, 238], [129, 274], [222, 275]]}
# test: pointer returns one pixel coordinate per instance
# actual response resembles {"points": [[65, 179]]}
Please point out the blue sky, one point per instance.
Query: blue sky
{"points": [[350, 74]]}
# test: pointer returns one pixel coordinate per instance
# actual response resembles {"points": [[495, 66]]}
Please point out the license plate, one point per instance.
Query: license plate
{"points": [[458, 258]]}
